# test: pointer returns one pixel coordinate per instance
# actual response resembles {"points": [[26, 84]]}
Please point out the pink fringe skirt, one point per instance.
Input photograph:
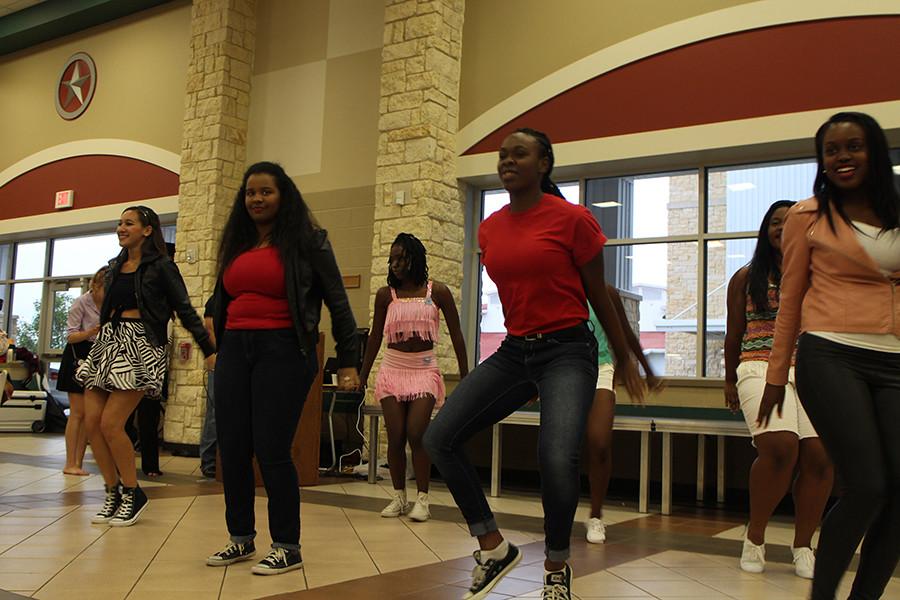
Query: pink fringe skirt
{"points": [[408, 376]]}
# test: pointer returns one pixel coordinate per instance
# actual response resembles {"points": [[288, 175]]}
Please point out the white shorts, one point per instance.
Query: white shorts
{"points": [[751, 382], [605, 377]]}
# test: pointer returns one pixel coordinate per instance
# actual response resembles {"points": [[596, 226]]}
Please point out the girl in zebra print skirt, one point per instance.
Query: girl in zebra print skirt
{"points": [[128, 360]]}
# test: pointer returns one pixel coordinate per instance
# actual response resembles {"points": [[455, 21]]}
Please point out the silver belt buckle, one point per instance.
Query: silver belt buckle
{"points": [[534, 337]]}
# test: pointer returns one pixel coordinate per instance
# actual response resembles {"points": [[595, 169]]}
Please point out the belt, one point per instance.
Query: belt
{"points": [[570, 334]]}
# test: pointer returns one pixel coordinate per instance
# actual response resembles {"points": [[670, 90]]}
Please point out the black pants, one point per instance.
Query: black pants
{"points": [[148, 413], [261, 381], [852, 397]]}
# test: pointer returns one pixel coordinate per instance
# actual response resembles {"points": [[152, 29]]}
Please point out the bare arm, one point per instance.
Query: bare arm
{"points": [[735, 327], [376, 334], [444, 297]]}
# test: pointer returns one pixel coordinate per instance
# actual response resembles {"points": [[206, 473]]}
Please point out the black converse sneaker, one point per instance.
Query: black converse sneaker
{"points": [[232, 553], [110, 505], [558, 585], [489, 571], [134, 501], [279, 560]]}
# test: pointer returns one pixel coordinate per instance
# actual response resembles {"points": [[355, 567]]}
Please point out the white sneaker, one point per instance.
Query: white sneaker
{"points": [[596, 530], [753, 557], [398, 506], [420, 510], [804, 562]]}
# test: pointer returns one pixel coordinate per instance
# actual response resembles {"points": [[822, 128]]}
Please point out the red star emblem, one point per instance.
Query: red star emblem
{"points": [[76, 85]]}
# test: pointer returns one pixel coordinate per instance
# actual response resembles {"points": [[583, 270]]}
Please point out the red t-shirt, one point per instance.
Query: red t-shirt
{"points": [[534, 257], [255, 282]]}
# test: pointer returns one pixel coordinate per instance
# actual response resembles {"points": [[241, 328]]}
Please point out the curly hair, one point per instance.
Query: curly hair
{"points": [[414, 252]]}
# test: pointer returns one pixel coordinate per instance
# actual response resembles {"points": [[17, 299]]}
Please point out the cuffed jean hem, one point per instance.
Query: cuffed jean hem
{"points": [[286, 546], [556, 555], [242, 539], [482, 527]]}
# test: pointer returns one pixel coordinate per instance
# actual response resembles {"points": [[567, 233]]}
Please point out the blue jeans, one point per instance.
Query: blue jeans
{"points": [[262, 378], [563, 371], [208, 433]]}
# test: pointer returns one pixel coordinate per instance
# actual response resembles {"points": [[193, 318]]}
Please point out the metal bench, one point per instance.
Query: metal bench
{"points": [[652, 419]]}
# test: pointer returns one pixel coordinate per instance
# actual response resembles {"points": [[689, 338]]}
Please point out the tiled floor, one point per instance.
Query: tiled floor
{"points": [[49, 549]]}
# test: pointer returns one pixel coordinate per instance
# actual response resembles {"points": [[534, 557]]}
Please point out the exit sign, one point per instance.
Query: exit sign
{"points": [[65, 199]]}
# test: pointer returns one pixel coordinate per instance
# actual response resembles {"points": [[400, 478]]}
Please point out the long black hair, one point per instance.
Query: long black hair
{"points": [[764, 264], [547, 185], [154, 244], [414, 252], [294, 226], [879, 183]]}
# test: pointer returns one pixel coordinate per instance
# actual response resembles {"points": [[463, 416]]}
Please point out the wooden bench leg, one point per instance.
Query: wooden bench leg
{"points": [[720, 469], [644, 490], [701, 466], [373, 448], [666, 473], [496, 458]]}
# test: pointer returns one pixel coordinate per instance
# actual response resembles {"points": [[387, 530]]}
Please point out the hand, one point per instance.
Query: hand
{"points": [[347, 379], [731, 396], [627, 374], [93, 331], [773, 396], [211, 362]]}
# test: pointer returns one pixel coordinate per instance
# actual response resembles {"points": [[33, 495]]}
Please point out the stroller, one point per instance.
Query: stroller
{"points": [[27, 406]]}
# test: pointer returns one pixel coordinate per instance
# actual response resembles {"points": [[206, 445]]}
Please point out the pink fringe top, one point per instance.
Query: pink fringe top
{"points": [[409, 318]]}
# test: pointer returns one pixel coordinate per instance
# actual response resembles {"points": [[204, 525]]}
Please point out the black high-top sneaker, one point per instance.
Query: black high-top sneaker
{"points": [[134, 501], [231, 554], [110, 505], [279, 560], [558, 585]]}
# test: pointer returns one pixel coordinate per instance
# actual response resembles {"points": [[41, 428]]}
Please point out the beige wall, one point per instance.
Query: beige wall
{"points": [[314, 108], [141, 74], [510, 45]]}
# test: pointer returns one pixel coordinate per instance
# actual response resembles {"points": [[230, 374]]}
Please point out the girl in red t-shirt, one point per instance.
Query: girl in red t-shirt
{"points": [[545, 255]]}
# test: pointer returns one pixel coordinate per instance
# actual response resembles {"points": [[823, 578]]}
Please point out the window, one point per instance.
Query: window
{"points": [[675, 240], [83, 255]]}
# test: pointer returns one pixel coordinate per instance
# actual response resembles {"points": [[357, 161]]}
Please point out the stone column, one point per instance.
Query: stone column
{"points": [[213, 153], [416, 190]]}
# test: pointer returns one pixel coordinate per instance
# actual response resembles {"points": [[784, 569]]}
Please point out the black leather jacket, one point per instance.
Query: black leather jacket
{"points": [[160, 291], [309, 281]]}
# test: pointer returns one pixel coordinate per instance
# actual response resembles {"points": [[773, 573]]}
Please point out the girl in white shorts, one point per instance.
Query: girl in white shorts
{"points": [[788, 439], [600, 419]]}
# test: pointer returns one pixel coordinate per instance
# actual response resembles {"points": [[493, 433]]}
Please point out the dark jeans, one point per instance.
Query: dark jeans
{"points": [[852, 397], [261, 382], [564, 373], [208, 433]]}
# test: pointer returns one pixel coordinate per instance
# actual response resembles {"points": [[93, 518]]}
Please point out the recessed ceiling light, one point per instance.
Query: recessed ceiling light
{"points": [[740, 187], [607, 204]]}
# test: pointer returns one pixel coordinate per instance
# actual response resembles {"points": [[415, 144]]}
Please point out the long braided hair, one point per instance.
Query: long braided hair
{"points": [[414, 252], [547, 185]]}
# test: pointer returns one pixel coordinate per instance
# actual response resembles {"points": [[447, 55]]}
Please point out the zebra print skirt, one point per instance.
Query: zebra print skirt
{"points": [[123, 358]]}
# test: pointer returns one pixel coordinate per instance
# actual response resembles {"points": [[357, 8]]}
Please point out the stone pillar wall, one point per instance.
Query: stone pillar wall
{"points": [[416, 190], [213, 153]]}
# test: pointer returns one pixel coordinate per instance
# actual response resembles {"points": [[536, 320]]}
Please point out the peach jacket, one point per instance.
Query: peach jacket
{"points": [[828, 283]]}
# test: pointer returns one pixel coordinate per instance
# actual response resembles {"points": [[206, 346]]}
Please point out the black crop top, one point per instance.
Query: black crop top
{"points": [[121, 293]]}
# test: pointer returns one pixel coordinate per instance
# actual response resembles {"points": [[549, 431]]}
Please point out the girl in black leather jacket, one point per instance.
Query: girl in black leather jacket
{"points": [[275, 270], [129, 358]]}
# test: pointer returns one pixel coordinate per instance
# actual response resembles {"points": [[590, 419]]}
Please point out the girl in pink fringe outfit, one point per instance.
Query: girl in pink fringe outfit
{"points": [[409, 384]]}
